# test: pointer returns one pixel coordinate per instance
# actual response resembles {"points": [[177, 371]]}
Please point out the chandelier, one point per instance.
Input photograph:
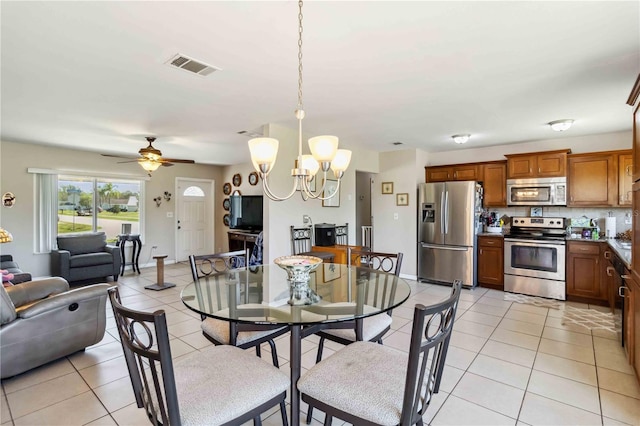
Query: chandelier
{"points": [[325, 154]]}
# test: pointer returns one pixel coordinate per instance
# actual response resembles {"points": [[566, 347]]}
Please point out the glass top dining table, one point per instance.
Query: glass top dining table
{"points": [[262, 295]]}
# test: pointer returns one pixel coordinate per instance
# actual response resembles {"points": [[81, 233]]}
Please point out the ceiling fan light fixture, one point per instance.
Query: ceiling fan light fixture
{"points": [[149, 165], [561, 125], [460, 139]]}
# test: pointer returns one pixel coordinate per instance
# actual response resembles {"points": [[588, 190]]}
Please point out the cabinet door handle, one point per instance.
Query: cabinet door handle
{"points": [[628, 170], [621, 199], [530, 170], [455, 175], [607, 254], [610, 271], [621, 290], [628, 195], [480, 251], [625, 277], [538, 169]]}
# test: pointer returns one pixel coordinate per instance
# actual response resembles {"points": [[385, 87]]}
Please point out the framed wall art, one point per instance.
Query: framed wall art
{"points": [[253, 178], [226, 188], [237, 179], [402, 199], [331, 188], [387, 187], [226, 204]]}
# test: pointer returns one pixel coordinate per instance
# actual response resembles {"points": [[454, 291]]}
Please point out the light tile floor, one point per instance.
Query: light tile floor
{"points": [[508, 363]]}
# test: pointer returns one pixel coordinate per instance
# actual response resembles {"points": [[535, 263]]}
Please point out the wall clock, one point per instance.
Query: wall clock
{"points": [[237, 179], [253, 178], [226, 219], [226, 203], [226, 188]]}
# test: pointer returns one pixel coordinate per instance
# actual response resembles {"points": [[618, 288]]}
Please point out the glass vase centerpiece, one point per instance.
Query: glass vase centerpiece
{"points": [[298, 269]]}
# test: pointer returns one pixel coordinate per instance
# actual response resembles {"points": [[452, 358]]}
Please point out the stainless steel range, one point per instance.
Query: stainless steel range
{"points": [[534, 257]]}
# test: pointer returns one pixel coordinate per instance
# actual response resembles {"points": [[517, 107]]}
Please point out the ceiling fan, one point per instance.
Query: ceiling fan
{"points": [[150, 158]]}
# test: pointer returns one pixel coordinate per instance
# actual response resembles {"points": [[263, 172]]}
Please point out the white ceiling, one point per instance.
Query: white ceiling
{"points": [[92, 74]]}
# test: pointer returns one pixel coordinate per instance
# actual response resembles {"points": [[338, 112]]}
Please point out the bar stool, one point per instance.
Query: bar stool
{"points": [[160, 285]]}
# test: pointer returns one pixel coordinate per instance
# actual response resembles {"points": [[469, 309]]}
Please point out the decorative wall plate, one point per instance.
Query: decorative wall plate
{"points": [[237, 179], [253, 178], [8, 199], [226, 204], [226, 188], [226, 219]]}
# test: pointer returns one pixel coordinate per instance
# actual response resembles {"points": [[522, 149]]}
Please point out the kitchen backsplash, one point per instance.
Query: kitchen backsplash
{"points": [[622, 215]]}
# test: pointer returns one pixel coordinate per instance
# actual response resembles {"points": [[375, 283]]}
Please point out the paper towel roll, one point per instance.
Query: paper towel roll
{"points": [[610, 227]]}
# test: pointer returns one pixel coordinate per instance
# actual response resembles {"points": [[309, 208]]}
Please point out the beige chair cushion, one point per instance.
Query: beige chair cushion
{"points": [[219, 384], [219, 330], [365, 379], [371, 327]]}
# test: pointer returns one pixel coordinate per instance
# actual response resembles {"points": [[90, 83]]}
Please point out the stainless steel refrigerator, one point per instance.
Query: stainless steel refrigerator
{"points": [[448, 221]]}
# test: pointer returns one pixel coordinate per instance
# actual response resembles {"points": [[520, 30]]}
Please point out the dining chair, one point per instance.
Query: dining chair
{"points": [[215, 269], [221, 385], [302, 241], [342, 234], [372, 328], [366, 383]]}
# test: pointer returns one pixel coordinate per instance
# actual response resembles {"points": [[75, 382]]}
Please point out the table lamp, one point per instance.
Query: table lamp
{"points": [[5, 236]]}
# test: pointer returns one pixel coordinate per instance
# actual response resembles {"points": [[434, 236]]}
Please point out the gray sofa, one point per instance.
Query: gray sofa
{"points": [[85, 256], [42, 320], [7, 263]]}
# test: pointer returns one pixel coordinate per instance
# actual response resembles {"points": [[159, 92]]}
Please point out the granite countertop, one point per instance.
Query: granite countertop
{"points": [[491, 234]]}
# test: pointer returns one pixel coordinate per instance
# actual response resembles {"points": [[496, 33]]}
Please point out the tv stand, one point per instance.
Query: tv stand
{"points": [[242, 240]]}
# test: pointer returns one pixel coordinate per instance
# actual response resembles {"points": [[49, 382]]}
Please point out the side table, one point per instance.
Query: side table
{"points": [[135, 252], [160, 285]]}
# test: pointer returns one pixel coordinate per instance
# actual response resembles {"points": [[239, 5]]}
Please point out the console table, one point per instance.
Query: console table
{"points": [[339, 251], [239, 240], [135, 251]]}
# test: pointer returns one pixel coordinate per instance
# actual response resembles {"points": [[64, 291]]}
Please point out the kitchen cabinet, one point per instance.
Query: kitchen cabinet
{"points": [[592, 180], [470, 171], [625, 178], [634, 336], [584, 277], [634, 102], [608, 275], [630, 294], [491, 262], [494, 183], [537, 164]]}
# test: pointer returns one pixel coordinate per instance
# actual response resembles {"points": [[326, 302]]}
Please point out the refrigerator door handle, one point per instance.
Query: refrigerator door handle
{"points": [[442, 212], [446, 212], [452, 248]]}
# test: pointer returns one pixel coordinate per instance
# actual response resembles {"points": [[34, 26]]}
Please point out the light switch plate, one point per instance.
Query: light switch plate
{"points": [[169, 214]]}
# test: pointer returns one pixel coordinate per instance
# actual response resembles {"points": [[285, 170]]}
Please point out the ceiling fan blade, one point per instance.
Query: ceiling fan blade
{"points": [[128, 161], [175, 160], [166, 164], [131, 157]]}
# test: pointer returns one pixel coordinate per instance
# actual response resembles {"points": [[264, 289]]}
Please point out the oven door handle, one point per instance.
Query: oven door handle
{"points": [[536, 244]]}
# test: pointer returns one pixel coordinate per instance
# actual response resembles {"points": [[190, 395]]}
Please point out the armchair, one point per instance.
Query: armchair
{"points": [[7, 263], [42, 320], [85, 256]]}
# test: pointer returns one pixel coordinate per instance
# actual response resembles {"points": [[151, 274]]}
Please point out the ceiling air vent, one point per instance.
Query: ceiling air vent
{"points": [[188, 64]]}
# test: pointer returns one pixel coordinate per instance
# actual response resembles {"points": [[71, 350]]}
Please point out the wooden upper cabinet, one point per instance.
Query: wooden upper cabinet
{"points": [[494, 183], [625, 178], [438, 174], [593, 180], [537, 164], [471, 171], [634, 96]]}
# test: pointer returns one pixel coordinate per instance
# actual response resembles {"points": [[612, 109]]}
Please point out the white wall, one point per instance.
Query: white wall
{"points": [[578, 144], [16, 158]]}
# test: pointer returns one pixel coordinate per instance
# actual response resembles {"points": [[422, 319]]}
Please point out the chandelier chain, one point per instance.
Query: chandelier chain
{"points": [[300, 106]]}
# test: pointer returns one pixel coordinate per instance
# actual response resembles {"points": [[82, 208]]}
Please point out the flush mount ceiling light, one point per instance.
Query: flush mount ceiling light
{"points": [[325, 154], [461, 138], [561, 125]]}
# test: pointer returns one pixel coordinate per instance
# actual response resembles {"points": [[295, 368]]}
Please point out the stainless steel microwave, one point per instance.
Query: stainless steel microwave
{"points": [[537, 192]]}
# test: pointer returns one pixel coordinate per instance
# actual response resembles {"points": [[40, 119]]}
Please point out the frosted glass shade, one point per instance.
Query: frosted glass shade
{"points": [[263, 151], [323, 148], [561, 125], [310, 163], [341, 161], [149, 165]]}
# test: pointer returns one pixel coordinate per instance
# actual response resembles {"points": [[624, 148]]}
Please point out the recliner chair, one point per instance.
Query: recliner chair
{"points": [[85, 256], [42, 320]]}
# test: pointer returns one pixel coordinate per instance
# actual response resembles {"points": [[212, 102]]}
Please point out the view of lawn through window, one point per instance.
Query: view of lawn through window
{"points": [[87, 204]]}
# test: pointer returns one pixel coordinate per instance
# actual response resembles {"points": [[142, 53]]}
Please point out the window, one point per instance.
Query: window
{"points": [[87, 204]]}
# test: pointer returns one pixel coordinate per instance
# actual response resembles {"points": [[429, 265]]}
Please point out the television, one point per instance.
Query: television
{"points": [[245, 212]]}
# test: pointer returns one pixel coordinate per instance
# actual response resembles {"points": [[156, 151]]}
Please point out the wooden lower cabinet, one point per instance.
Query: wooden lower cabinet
{"points": [[584, 273], [491, 262]]}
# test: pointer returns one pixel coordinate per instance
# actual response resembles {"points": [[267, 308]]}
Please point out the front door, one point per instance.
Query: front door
{"points": [[195, 213]]}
